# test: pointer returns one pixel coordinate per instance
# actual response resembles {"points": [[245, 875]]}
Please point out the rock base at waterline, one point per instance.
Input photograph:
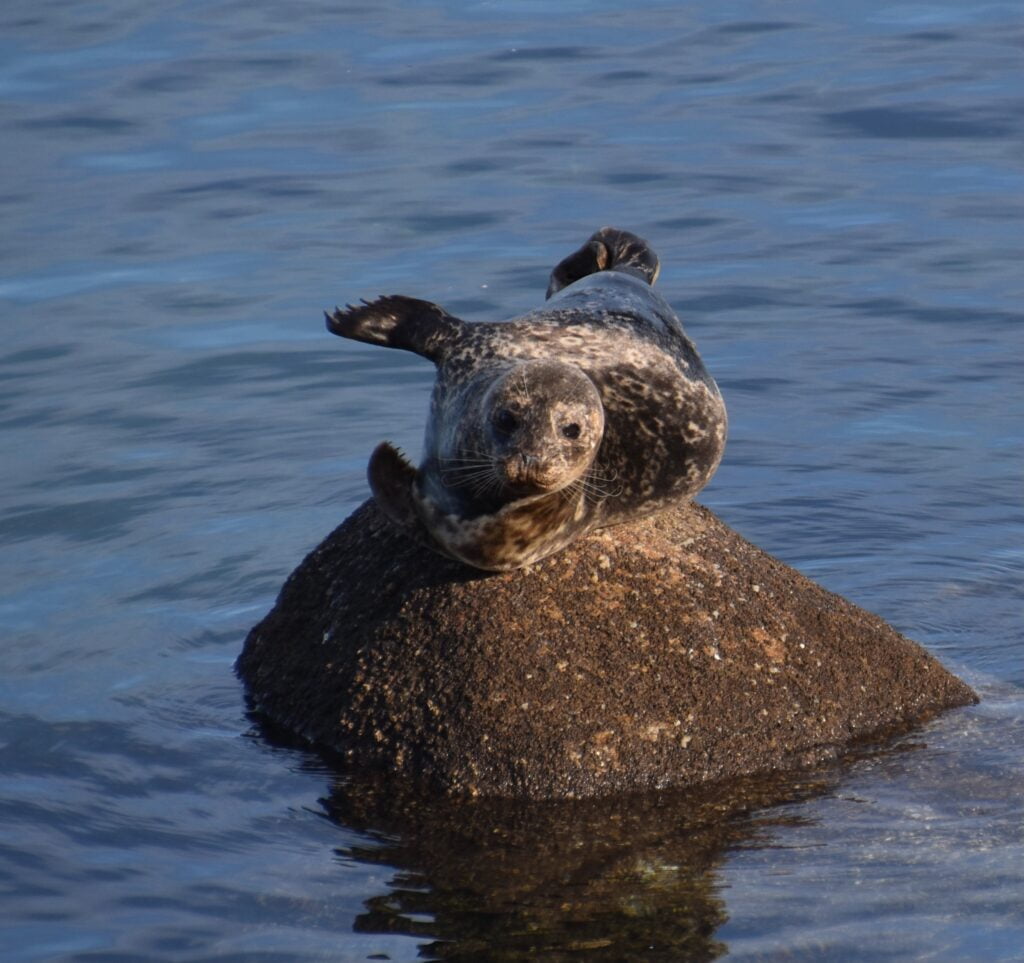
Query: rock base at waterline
{"points": [[663, 653]]}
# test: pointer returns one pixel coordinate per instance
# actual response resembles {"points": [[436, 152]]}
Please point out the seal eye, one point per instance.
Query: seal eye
{"points": [[571, 431], [505, 421]]}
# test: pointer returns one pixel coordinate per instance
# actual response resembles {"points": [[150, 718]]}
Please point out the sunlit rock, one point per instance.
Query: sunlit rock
{"points": [[664, 653]]}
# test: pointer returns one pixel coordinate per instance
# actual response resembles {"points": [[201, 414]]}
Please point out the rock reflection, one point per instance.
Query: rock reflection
{"points": [[624, 878]]}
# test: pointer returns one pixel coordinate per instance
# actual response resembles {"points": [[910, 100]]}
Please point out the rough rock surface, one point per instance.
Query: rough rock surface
{"points": [[663, 653]]}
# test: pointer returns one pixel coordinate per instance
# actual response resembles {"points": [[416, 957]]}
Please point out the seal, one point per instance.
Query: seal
{"points": [[589, 411]]}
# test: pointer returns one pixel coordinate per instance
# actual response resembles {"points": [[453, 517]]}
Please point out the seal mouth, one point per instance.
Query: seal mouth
{"points": [[529, 475]]}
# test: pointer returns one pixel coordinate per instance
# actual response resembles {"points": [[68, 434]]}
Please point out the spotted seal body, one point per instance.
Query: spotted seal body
{"points": [[587, 412]]}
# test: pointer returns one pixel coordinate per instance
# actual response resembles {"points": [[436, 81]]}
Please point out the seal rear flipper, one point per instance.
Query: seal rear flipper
{"points": [[396, 321], [608, 249], [589, 259], [391, 479]]}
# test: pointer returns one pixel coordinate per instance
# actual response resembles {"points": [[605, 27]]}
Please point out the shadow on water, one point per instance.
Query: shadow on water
{"points": [[620, 878]]}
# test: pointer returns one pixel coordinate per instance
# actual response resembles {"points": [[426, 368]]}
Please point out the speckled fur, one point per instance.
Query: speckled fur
{"points": [[664, 422]]}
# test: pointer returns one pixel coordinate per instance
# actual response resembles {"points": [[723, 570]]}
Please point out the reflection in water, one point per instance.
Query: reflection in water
{"points": [[609, 879]]}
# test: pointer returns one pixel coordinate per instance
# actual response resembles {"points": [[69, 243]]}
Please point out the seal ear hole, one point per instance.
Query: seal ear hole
{"points": [[505, 421], [571, 431]]}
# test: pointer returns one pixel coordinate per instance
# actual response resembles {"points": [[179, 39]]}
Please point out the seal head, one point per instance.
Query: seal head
{"points": [[535, 431]]}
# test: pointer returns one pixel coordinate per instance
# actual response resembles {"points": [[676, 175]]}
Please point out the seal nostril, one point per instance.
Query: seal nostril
{"points": [[571, 431]]}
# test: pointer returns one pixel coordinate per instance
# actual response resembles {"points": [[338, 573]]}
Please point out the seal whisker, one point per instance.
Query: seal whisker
{"points": [[467, 474], [600, 493], [572, 491], [597, 486], [474, 480], [474, 466], [467, 458], [594, 475], [487, 484], [525, 386]]}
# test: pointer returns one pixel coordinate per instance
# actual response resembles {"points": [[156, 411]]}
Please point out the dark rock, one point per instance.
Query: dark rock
{"points": [[664, 653]]}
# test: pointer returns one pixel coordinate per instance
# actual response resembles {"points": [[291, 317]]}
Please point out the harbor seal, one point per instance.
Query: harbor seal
{"points": [[589, 411]]}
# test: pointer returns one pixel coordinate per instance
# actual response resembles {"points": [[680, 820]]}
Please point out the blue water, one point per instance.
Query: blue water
{"points": [[836, 192]]}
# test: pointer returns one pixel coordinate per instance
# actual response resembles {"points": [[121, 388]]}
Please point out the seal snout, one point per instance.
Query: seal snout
{"points": [[528, 473]]}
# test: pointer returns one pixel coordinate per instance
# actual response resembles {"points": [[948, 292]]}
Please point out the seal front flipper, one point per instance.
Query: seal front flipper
{"points": [[396, 321], [391, 479]]}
